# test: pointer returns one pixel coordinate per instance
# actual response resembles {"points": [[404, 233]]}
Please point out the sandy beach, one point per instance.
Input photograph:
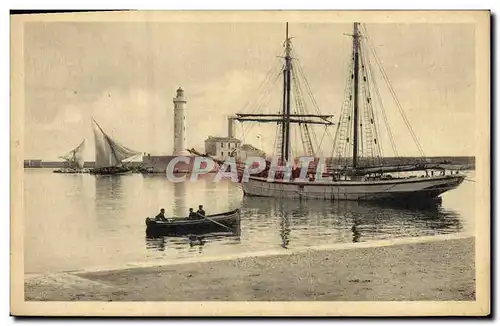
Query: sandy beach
{"points": [[438, 270]]}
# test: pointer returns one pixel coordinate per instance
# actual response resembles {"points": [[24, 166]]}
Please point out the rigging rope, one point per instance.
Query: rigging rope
{"points": [[276, 137], [381, 105], [343, 134], [321, 142], [393, 93], [308, 87], [263, 100], [269, 76], [301, 109], [374, 121], [313, 99], [368, 117], [272, 76]]}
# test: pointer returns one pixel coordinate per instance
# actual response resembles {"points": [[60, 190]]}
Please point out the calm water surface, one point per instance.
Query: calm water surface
{"points": [[82, 221]]}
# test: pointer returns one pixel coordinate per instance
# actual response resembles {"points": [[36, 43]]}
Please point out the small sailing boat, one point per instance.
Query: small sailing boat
{"points": [[357, 169], [110, 156], [73, 160]]}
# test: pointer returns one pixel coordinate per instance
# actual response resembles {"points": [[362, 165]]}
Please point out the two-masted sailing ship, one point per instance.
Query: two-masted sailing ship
{"points": [[111, 158], [356, 167], [73, 160]]}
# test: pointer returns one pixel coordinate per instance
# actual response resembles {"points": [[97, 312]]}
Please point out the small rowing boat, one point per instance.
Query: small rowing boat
{"points": [[227, 221]]}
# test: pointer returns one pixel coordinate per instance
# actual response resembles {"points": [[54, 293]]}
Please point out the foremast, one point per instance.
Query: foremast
{"points": [[355, 42], [285, 145], [286, 118]]}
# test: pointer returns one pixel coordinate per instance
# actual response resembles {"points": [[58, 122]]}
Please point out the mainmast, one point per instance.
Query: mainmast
{"points": [[285, 145], [355, 37]]}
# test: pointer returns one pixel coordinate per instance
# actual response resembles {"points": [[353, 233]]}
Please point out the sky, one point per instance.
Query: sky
{"points": [[125, 74]]}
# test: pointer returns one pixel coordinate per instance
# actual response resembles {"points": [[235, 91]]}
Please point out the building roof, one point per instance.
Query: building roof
{"points": [[248, 147], [222, 139]]}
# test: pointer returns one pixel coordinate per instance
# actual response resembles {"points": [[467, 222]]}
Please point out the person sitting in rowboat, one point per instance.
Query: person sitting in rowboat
{"points": [[200, 212], [192, 214], [161, 216]]}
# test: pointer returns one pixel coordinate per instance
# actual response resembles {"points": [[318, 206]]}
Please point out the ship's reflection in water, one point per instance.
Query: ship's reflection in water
{"points": [[285, 230], [304, 223]]}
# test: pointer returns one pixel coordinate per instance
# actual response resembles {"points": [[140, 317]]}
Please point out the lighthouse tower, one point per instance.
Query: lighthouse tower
{"points": [[180, 143]]}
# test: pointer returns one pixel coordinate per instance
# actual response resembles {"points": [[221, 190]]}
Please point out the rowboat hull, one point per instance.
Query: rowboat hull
{"points": [[228, 221], [422, 188]]}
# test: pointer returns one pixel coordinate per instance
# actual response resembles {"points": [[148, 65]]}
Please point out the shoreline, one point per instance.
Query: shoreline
{"points": [[256, 254], [424, 268]]}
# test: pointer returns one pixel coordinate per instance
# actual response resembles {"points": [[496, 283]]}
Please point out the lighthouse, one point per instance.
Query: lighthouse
{"points": [[180, 143]]}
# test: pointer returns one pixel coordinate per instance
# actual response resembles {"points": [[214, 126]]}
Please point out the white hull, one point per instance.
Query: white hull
{"points": [[405, 189]]}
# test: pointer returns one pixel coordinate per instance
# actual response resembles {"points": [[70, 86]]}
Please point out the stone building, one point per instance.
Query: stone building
{"points": [[222, 147]]}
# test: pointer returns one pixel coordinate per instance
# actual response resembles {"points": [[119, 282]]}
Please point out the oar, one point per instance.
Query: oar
{"points": [[217, 223]]}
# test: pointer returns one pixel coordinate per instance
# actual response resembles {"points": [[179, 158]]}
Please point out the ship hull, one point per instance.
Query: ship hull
{"points": [[111, 171], [414, 189], [71, 171]]}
